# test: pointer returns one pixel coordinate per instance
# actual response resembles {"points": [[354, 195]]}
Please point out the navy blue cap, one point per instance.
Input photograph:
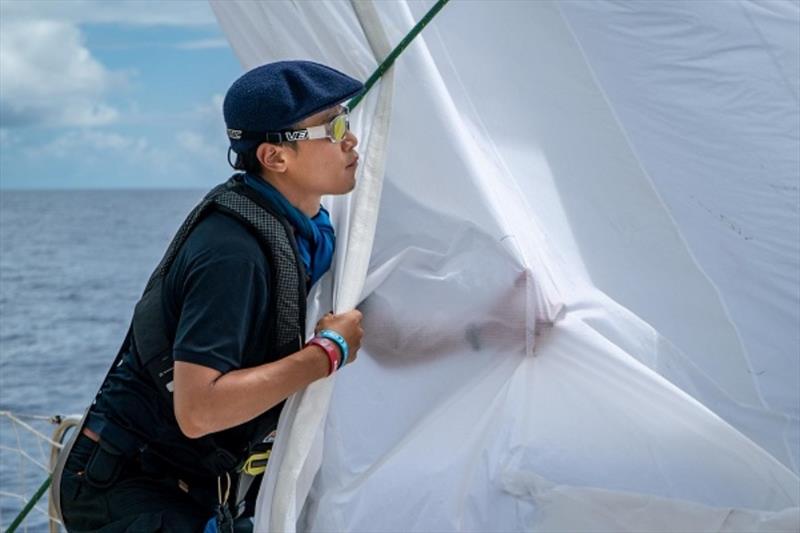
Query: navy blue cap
{"points": [[275, 96]]}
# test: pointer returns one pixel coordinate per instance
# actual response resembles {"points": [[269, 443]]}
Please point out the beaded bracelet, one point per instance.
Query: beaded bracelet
{"points": [[338, 339], [330, 349]]}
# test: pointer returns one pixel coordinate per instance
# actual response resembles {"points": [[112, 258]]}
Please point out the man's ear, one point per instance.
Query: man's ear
{"points": [[272, 157]]}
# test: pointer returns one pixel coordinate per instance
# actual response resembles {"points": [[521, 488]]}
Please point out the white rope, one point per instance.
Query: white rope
{"points": [[30, 416], [21, 462], [25, 501], [12, 495], [25, 454], [33, 430], [296, 471]]}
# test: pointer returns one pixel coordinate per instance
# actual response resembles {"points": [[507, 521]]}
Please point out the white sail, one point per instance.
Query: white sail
{"points": [[581, 305]]}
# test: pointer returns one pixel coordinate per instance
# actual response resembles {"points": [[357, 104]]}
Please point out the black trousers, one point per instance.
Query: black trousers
{"points": [[135, 501]]}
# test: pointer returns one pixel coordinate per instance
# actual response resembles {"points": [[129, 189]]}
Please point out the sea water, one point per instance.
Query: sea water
{"points": [[72, 266]]}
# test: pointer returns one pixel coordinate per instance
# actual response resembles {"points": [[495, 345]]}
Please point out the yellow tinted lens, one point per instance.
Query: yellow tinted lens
{"points": [[339, 127]]}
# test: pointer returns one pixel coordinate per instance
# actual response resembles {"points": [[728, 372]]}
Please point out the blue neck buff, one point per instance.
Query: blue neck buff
{"points": [[315, 237]]}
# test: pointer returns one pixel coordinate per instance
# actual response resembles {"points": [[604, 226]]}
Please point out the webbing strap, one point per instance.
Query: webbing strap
{"points": [[402, 45]]}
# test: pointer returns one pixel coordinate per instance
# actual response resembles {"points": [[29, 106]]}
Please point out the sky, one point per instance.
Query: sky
{"points": [[112, 94]]}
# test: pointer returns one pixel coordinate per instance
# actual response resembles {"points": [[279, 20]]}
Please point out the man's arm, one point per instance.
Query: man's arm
{"points": [[207, 401], [220, 287]]}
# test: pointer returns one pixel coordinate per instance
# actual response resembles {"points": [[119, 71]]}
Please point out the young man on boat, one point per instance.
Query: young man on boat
{"points": [[180, 426]]}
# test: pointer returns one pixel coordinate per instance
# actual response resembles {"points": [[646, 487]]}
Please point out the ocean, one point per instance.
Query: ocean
{"points": [[72, 266]]}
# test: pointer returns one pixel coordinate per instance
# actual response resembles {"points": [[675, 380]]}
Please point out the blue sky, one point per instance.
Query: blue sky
{"points": [[112, 94]]}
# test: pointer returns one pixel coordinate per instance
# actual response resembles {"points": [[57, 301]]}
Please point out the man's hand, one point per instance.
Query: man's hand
{"points": [[348, 325]]}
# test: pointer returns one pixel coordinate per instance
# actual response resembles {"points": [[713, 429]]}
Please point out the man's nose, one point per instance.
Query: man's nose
{"points": [[350, 140]]}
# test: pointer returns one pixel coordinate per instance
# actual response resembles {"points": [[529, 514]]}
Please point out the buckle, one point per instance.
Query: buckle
{"points": [[257, 463]]}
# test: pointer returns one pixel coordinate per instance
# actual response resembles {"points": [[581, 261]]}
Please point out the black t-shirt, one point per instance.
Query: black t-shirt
{"points": [[216, 299]]}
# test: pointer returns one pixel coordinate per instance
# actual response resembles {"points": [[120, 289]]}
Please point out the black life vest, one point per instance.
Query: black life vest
{"points": [[153, 341]]}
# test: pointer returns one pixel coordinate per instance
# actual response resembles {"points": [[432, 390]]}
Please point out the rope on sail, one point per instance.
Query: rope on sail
{"points": [[402, 45]]}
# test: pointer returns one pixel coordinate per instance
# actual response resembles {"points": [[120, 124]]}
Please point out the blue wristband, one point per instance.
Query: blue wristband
{"points": [[338, 339]]}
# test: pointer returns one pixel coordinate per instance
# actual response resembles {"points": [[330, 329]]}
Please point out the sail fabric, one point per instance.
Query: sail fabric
{"points": [[561, 332], [710, 107], [297, 453]]}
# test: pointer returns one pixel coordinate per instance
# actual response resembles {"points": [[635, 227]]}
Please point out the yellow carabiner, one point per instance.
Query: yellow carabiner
{"points": [[256, 464]]}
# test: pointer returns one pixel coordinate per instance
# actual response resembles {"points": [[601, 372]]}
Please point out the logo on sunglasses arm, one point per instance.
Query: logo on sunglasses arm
{"points": [[296, 135]]}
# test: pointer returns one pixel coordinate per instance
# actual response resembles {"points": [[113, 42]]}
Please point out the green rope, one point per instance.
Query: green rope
{"points": [[389, 61], [28, 506]]}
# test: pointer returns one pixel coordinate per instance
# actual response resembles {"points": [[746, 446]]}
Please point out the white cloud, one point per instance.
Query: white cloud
{"points": [[207, 138], [203, 44], [47, 74], [195, 143], [88, 142], [211, 111], [129, 12], [203, 137], [102, 148], [49, 77]]}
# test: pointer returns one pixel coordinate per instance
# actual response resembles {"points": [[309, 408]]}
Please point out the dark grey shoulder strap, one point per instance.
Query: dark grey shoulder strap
{"points": [[283, 258], [154, 343]]}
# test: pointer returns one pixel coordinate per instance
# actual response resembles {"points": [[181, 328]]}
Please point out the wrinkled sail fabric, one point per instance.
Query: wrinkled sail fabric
{"points": [[562, 332], [710, 106]]}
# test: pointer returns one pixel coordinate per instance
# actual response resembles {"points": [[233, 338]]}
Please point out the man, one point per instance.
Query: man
{"points": [[180, 425]]}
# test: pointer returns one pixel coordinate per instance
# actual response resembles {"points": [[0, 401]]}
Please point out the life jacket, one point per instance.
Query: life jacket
{"points": [[152, 340]]}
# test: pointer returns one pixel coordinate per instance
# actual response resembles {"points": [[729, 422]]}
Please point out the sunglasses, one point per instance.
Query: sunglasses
{"points": [[335, 130]]}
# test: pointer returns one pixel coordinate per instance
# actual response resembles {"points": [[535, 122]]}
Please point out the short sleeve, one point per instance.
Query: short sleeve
{"points": [[223, 300]]}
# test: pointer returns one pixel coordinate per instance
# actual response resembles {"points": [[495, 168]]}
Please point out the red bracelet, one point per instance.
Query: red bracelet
{"points": [[330, 348]]}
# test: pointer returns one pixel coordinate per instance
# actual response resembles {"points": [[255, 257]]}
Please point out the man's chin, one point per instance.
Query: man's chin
{"points": [[344, 190], [351, 183]]}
